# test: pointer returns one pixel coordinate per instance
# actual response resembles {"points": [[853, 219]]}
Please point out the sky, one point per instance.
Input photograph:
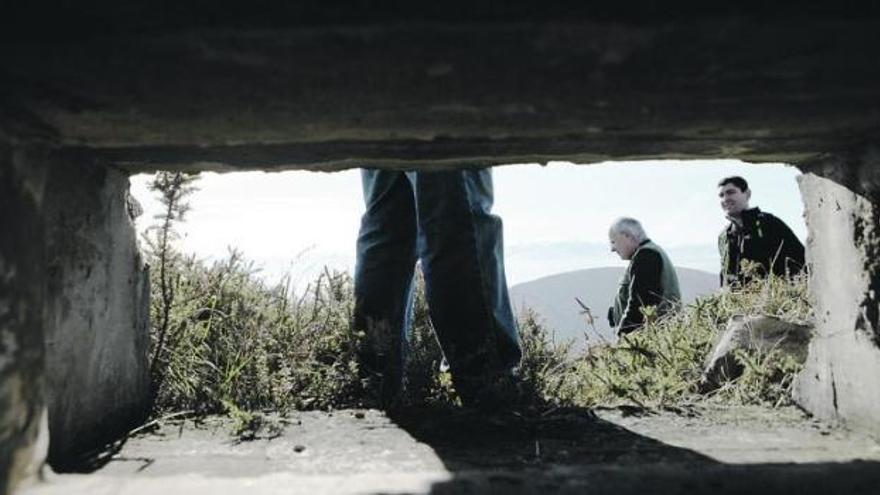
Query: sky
{"points": [[556, 217]]}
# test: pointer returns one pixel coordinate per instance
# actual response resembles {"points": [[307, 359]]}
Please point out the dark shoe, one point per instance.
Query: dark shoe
{"points": [[383, 392], [383, 384], [504, 392]]}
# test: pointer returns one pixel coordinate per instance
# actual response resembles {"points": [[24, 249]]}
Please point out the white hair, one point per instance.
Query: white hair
{"points": [[630, 227]]}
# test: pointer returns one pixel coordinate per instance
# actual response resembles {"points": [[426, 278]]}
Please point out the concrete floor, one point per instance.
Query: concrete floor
{"points": [[434, 450]]}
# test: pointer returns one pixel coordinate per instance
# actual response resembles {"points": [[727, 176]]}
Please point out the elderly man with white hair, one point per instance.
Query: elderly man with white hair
{"points": [[649, 280]]}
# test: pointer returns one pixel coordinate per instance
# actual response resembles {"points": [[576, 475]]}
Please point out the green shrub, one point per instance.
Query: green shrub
{"points": [[234, 340], [545, 363], [661, 364], [224, 341], [235, 344]]}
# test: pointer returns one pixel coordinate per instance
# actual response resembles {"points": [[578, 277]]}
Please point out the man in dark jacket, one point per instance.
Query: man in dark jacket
{"points": [[649, 280], [754, 235]]}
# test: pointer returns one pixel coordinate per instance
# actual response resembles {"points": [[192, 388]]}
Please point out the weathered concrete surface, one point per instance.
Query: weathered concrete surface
{"points": [[174, 92], [719, 451], [452, 94], [97, 308], [22, 402], [840, 380]]}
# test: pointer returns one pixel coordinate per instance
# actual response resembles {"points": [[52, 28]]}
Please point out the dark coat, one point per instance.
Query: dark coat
{"points": [[763, 239]]}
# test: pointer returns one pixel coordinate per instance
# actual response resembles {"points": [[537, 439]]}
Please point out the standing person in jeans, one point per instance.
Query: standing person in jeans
{"points": [[443, 219]]}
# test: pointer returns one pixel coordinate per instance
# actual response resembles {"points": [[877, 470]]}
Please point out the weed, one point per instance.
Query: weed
{"points": [[225, 342], [661, 364]]}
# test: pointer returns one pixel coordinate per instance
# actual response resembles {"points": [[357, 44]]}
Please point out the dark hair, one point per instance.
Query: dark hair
{"points": [[736, 181]]}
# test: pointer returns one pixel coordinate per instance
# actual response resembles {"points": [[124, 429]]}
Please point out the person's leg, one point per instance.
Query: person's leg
{"points": [[386, 256], [463, 263]]}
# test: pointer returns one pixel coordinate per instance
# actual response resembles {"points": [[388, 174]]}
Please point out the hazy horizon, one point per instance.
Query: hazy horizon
{"points": [[555, 217], [557, 300]]}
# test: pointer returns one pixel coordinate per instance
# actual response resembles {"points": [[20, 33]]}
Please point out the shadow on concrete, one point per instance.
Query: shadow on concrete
{"points": [[467, 440], [776, 479], [89, 460], [574, 451]]}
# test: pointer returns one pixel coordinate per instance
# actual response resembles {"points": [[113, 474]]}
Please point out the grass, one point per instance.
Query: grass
{"points": [[661, 364], [236, 345], [225, 342]]}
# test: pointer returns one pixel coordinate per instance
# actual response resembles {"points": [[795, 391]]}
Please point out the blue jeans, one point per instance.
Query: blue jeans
{"points": [[442, 219]]}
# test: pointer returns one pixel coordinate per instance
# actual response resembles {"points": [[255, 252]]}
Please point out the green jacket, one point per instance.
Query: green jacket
{"points": [[649, 280]]}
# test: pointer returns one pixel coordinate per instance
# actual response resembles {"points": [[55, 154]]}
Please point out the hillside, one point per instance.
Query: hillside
{"points": [[553, 297]]}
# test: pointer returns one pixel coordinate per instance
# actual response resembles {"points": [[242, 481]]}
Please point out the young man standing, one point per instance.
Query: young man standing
{"points": [[753, 235]]}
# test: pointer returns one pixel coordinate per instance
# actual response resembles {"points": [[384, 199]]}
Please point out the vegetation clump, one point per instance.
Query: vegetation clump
{"points": [[235, 343], [661, 364], [224, 341]]}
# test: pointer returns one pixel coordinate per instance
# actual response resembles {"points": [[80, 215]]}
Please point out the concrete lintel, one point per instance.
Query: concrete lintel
{"points": [[437, 93], [444, 153]]}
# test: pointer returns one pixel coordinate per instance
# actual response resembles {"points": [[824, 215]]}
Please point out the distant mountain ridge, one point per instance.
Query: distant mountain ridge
{"points": [[553, 297]]}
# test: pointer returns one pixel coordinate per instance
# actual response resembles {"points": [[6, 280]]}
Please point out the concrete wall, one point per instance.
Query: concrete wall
{"points": [[22, 403], [74, 302], [439, 94], [97, 310], [841, 379]]}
